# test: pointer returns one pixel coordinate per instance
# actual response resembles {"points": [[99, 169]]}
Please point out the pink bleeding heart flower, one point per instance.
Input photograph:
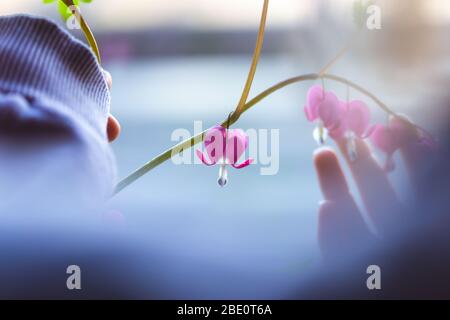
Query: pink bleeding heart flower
{"points": [[224, 147], [314, 96], [390, 138], [354, 120], [354, 123], [383, 137], [357, 118], [323, 107]]}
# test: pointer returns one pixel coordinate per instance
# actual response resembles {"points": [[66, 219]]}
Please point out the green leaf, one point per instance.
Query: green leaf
{"points": [[64, 4], [64, 10]]}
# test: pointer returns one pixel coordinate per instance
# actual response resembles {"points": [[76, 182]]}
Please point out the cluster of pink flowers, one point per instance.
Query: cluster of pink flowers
{"points": [[339, 118], [351, 120]]}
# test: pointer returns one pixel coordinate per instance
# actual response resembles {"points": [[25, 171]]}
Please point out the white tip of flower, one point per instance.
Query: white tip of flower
{"points": [[223, 175], [320, 135], [222, 182], [351, 149]]}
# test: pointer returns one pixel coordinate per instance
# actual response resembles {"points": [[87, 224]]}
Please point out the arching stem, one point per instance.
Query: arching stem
{"points": [[315, 76], [184, 145]]}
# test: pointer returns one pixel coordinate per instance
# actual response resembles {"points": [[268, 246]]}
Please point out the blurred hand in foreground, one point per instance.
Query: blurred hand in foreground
{"points": [[342, 230]]}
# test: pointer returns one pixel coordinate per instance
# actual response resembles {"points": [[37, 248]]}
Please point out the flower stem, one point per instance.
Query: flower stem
{"points": [[184, 145], [85, 28], [341, 52], [90, 38], [312, 77], [256, 55]]}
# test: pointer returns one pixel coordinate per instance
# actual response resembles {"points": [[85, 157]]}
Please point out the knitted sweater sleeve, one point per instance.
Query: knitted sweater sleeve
{"points": [[54, 105]]}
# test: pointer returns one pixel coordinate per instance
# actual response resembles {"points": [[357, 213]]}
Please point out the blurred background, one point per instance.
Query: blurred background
{"points": [[179, 61]]}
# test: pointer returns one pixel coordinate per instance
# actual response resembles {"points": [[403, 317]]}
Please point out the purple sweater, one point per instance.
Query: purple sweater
{"points": [[54, 105]]}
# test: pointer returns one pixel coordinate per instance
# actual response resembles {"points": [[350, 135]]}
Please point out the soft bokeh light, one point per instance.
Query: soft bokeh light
{"points": [[207, 14]]}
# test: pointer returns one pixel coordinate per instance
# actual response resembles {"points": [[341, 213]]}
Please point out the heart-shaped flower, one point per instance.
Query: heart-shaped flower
{"points": [[357, 118], [224, 147], [354, 123], [399, 133], [324, 108]]}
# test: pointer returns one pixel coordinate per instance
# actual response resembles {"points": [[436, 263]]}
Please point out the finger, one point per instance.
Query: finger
{"points": [[373, 184], [416, 155], [108, 78], [341, 225], [341, 230], [331, 178], [112, 128]]}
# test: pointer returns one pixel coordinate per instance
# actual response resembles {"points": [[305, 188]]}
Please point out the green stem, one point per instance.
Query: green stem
{"points": [[255, 60], [184, 145], [90, 38], [341, 52], [85, 28], [315, 76]]}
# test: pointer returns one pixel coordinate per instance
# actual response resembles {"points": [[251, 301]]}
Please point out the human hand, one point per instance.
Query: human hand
{"points": [[342, 230]]}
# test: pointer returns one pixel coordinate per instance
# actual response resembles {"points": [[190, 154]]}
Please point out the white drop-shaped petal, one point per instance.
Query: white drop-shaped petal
{"points": [[351, 147], [223, 175], [320, 134]]}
